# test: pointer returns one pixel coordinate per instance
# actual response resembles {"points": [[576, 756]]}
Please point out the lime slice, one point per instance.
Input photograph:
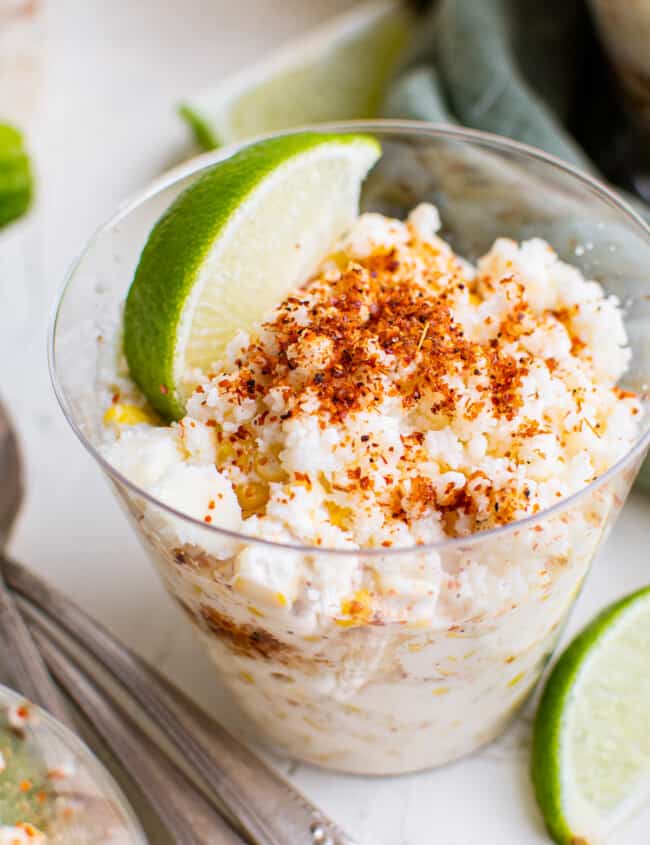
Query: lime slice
{"points": [[591, 743], [336, 72], [15, 175], [231, 247]]}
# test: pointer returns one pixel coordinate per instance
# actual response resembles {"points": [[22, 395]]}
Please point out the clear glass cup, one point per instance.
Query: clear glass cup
{"points": [[373, 693], [52, 781]]}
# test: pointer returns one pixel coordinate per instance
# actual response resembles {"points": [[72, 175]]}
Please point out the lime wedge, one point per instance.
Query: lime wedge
{"points": [[231, 247], [591, 742], [336, 72], [15, 175]]}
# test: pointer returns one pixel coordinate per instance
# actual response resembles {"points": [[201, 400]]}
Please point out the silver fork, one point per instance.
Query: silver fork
{"points": [[266, 806], [184, 811]]}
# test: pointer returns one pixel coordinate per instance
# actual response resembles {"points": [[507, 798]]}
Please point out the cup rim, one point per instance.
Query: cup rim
{"points": [[405, 127]]}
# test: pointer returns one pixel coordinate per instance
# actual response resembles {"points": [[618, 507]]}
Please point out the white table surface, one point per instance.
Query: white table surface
{"points": [[95, 83]]}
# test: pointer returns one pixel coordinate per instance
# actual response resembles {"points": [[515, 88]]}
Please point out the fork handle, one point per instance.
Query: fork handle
{"points": [[270, 810], [182, 808], [25, 664]]}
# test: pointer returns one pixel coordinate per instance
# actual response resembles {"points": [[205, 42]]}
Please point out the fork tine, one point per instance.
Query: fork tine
{"points": [[185, 812], [267, 807]]}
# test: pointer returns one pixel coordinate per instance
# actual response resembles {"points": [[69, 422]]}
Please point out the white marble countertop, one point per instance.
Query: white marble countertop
{"points": [[95, 84]]}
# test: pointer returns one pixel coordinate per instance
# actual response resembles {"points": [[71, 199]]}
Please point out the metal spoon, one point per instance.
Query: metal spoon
{"points": [[25, 664]]}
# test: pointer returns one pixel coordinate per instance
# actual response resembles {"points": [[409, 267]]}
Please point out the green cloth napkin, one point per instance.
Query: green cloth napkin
{"points": [[504, 66], [519, 68]]}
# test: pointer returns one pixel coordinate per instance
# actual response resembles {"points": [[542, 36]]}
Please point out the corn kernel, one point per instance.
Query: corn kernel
{"points": [[252, 496], [225, 451], [339, 516], [123, 414], [269, 467], [438, 422], [358, 609], [345, 623]]}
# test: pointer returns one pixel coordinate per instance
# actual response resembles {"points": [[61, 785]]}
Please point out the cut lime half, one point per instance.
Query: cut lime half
{"points": [[591, 740], [337, 72], [230, 248]]}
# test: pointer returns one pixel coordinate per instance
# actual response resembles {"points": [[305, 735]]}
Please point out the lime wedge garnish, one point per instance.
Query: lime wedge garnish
{"points": [[231, 247], [15, 175], [591, 741], [336, 72]]}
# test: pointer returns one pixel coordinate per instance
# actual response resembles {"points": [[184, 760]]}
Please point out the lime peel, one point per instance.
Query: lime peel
{"points": [[563, 735], [338, 71], [204, 134], [229, 249], [16, 180]]}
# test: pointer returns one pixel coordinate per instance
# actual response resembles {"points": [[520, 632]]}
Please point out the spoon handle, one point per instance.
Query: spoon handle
{"points": [[25, 664]]}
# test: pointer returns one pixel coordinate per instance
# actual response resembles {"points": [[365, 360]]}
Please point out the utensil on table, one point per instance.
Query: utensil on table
{"points": [[268, 808], [25, 664], [187, 814], [184, 810]]}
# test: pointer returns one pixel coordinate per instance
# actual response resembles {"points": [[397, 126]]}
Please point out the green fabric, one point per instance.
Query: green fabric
{"points": [[511, 67], [501, 66], [504, 66]]}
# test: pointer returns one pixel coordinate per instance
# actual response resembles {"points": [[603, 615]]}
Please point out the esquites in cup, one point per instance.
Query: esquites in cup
{"points": [[396, 477]]}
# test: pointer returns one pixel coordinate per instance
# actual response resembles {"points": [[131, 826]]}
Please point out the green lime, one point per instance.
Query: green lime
{"points": [[336, 72], [591, 742], [231, 247], [15, 175]]}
